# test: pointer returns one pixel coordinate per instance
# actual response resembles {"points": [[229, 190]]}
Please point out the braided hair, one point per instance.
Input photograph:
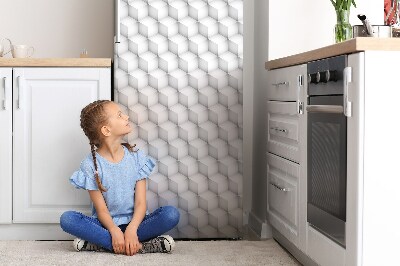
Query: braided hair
{"points": [[93, 117]]}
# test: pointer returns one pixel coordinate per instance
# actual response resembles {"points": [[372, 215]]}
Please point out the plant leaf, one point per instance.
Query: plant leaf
{"points": [[338, 4], [343, 4]]}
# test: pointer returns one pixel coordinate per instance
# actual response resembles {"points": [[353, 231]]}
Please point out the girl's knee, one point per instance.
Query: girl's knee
{"points": [[68, 218], [172, 214]]}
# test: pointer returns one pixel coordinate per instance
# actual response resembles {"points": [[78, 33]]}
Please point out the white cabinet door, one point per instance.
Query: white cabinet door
{"points": [[5, 146], [48, 141], [283, 196]]}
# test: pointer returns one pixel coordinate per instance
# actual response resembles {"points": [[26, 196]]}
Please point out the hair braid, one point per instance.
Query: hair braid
{"points": [[92, 118], [129, 146], [96, 173]]}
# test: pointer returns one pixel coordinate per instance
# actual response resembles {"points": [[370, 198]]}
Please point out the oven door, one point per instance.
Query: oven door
{"points": [[327, 166]]}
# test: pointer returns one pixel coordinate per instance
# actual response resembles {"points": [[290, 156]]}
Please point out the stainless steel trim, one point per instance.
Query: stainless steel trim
{"points": [[117, 21], [286, 83], [299, 103], [279, 187], [300, 107], [300, 80], [336, 109], [5, 93]]}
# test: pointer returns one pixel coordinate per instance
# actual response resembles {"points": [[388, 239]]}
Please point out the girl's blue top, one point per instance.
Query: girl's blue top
{"points": [[118, 178]]}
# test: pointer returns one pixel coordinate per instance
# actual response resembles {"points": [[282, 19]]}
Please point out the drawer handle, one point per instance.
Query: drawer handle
{"points": [[284, 83], [280, 129], [279, 187]]}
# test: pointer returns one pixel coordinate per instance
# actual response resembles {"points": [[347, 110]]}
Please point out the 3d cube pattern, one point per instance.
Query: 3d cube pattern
{"points": [[179, 77]]}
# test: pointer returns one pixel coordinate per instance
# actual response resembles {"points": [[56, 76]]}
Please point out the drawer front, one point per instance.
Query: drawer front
{"points": [[283, 83], [283, 196], [283, 130]]}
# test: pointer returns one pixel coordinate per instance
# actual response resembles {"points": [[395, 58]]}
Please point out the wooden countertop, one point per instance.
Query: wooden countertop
{"points": [[55, 62], [348, 47]]}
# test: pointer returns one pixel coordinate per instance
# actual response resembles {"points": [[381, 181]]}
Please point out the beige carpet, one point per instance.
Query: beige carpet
{"points": [[191, 253]]}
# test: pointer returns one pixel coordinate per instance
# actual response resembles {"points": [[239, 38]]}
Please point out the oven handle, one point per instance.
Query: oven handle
{"points": [[335, 109]]}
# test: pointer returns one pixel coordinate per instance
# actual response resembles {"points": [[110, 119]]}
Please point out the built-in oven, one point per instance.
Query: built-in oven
{"points": [[327, 148]]}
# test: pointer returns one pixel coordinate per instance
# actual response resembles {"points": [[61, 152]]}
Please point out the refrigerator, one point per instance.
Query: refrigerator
{"points": [[178, 74]]}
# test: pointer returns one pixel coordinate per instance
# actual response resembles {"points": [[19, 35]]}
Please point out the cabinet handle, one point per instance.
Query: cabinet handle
{"points": [[5, 93], [284, 83], [279, 187], [279, 129], [19, 83]]}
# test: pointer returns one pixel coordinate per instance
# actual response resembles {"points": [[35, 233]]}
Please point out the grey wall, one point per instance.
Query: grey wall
{"points": [[59, 28]]}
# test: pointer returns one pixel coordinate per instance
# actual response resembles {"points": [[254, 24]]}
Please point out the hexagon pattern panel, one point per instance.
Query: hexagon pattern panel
{"points": [[178, 74]]}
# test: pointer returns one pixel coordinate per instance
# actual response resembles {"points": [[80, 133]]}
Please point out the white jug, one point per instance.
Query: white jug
{"points": [[2, 46]]}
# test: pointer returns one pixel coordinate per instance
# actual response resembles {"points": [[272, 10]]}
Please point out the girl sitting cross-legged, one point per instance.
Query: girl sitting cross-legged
{"points": [[115, 176]]}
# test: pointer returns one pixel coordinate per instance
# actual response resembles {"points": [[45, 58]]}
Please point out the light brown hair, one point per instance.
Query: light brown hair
{"points": [[93, 117]]}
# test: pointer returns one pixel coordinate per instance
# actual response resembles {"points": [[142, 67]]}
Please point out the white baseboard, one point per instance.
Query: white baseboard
{"points": [[262, 229], [33, 232]]}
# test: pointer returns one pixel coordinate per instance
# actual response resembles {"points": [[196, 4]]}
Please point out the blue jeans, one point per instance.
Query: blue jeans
{"points": [[90, 229]]}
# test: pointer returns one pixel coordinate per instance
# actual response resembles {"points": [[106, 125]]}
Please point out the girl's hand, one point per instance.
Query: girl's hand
{"points": [[132, 244], [118, 241]]}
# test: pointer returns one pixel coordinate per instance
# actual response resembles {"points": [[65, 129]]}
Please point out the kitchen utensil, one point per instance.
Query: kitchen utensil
{"points": [[2, 53], [22, 51], [368, 30], [367, 26]]}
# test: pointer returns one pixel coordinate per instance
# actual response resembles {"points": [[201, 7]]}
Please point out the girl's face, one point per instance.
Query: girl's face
{"points": [[117, 122]]}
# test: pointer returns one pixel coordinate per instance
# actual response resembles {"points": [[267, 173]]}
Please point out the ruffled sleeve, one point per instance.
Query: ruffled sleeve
{"points": [[84, 177], [145, 164]]}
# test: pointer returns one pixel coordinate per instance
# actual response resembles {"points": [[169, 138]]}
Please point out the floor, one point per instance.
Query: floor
{"points": [[249, 251], [219, 252]]}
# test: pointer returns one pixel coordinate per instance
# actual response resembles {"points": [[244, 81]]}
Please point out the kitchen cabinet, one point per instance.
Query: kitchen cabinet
{"points": [[285, 124], [6, 146], [42, 143], [371, 108]]}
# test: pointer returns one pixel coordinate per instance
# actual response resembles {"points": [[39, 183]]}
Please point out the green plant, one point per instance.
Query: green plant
{"points": [[343, 29], [343, 4]]}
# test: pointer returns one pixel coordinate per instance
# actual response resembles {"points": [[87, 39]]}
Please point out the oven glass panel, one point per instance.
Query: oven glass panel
{"points": [[327, 163]]}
